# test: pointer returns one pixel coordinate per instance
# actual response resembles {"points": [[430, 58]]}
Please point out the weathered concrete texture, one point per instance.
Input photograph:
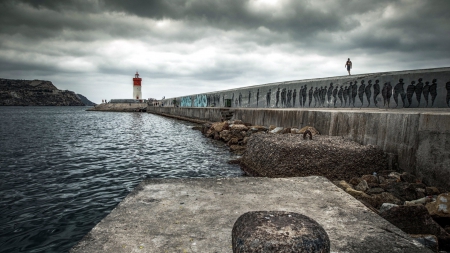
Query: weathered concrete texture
{"points": [[197, 215], [420, 137], [119, 107], [422, 88]]}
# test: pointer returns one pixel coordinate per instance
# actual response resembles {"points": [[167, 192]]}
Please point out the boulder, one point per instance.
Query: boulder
{"points": [[440, 207], [238, 122], [342, 184], [362, 186], [420, 201], [432, 191], [407, 177], [238, 127], [355, 181], [245, 140], [385, 197], [225, 135], [237, 148], [395, 175], [413, 220], [310, 128], [219, 126], [386, 206], [429, 241], [258, 129], [233, 141], [370, 179], [286, 131], [294, 130], [278, 231], [277, 130], [376, 190], [381, 180], [272, 127]]}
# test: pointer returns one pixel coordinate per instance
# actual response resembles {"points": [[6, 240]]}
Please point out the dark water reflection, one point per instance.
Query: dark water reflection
{"points": [[63, 169]]}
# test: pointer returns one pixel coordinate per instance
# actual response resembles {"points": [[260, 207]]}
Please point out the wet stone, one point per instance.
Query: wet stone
{"points": [[278, 231]]}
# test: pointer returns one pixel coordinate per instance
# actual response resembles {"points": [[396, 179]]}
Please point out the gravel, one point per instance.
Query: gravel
{"points": [[289, 155]]}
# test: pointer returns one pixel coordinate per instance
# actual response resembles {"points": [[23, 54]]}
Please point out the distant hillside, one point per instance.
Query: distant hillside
{"points": [[35, 93], [86, 101]]}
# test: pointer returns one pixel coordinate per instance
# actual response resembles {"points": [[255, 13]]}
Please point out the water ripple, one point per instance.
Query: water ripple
{"points": [[63, 169]]}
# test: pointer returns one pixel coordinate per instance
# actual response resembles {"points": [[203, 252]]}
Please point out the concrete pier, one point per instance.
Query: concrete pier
{"points": [[197, 215]]}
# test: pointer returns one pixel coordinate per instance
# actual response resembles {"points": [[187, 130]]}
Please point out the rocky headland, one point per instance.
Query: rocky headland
{"points": [[421, 210], [35, 93]]}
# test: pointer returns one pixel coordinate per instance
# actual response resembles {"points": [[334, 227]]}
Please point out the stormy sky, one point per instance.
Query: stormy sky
{"points": [[182, 47]]}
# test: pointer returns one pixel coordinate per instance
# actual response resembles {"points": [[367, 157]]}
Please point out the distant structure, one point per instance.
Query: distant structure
{"points": [[137, 93]]}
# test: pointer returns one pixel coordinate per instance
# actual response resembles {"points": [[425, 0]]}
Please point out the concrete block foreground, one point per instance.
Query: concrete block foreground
{"points": [[197, 215]]}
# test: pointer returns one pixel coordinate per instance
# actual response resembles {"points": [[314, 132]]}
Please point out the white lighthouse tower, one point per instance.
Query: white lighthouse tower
{"points": [[137, 92]]}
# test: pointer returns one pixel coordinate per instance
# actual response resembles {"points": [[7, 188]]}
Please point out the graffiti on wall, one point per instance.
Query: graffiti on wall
{"points": [[186, 102]]}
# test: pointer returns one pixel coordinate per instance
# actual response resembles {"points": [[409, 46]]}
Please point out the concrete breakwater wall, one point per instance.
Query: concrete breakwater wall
{"points": [[419, 138], [423, 88]]}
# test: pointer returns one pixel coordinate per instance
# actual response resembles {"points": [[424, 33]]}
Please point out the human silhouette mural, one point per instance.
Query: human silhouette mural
{"points": [[417, 92]]}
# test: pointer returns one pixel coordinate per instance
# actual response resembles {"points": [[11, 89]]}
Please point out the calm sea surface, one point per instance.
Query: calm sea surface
{"points": [[63, 169]]}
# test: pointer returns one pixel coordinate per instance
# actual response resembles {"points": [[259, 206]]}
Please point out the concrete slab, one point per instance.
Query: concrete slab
{"points": [[197, 215]]}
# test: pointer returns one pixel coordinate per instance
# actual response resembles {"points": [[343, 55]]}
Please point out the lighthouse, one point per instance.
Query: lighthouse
{"points": [[137, 93]]}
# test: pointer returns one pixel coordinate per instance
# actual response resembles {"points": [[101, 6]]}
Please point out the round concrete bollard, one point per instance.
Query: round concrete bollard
{"points": [[278, 231]]}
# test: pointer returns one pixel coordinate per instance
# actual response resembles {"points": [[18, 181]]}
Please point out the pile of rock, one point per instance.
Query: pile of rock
{"points": [[406, 202]]}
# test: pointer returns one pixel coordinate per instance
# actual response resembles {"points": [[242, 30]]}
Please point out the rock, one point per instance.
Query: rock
{"points": [[362, 186], [370, 179], [420, 201], [278, 231], [286, 131], [255, 129], [294, 130], [225, 135], [413, 220], [311, 129], [385, 197], [233, 141], [429, 241], [432, 191], [386, 206], [219, 126], [342, 184], [237, 148], [238, 127], [382, 180], [216, 136], [277, 130], [238, 122], [397, 189], [407, 177], [271, 127], [395, 175], [355, 181], [440, 207], [358, 194], [245, 140], [376, 190]]}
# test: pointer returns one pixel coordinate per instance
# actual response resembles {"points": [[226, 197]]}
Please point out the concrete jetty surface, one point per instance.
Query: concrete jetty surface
{"points": [[197, 215]]}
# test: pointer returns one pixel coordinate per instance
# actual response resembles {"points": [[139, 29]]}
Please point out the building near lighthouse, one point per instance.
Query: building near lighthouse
{"points": [[137, 87]]}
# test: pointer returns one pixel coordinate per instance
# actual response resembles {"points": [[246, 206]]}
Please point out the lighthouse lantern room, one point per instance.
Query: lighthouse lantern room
{"points": [[137, 92]]}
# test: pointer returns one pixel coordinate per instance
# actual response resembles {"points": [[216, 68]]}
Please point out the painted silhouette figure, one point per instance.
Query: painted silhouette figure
{"points": [[426, 92], [361, 89], [289, 97], [257, 98], [268, 95], [300, 99], [249, 97], [283, 97], [433, 91], [335, 91], [304, 95], [447, 87], [324, 94], [384, 93], [240, 99], [277, 97], [376, 92], [399, 90], [316, 94], [340, 94], [294, 96], [410, 90], [346, 95], [368, 91], [310, 95], [329, 92], [419, 89], [354, 92]]}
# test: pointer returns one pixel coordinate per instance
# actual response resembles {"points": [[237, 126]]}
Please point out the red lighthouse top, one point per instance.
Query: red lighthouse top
{"points": [[136, 80]]}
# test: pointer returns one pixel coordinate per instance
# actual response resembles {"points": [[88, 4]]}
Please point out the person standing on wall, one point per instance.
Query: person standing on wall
{"points": [[348, 65]]}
